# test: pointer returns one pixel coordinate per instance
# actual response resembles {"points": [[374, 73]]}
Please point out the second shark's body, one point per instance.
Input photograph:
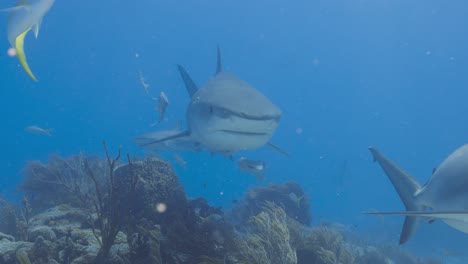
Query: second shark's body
{"points": [[445, 194]]}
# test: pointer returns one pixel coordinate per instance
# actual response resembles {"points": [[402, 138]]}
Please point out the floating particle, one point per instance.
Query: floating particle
{"points": [[11, 52], [161, 207], [299, 130]]}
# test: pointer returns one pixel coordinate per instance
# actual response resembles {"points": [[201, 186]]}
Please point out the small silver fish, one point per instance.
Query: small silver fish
{"points": [[254, 167], [143, 83], [163, 102], [39, 130], [180, 161]]}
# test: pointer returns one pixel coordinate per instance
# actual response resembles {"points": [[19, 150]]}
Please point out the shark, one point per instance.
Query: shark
{"points": [[24, 17], [444, 197], [227, 114]]}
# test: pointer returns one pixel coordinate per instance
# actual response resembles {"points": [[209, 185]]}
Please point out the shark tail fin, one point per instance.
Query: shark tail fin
{"points": [[219, 65], [407, 187], [189, 83], [19, 46]]}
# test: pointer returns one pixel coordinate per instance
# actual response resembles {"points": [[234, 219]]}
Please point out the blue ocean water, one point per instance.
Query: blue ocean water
{"points": [[346, 74]]}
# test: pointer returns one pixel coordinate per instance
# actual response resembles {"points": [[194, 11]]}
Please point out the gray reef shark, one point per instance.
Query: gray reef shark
{"points": [[26, 16], [227, 114], [445, 194]]}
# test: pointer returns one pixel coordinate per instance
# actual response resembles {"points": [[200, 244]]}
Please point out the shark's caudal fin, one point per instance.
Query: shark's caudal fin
{"points": [[407, 187], [178, 135], [189, 84], [19, 46], [219, 65]]}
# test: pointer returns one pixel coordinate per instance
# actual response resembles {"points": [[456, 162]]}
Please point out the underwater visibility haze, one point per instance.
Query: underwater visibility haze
{"points": [[233, 131]]}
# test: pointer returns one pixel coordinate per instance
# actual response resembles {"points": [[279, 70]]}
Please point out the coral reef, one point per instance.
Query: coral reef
{"points": [[389, 254], [318, 245], [191, 229], [88, 210], [267, 240], [290, 194]]}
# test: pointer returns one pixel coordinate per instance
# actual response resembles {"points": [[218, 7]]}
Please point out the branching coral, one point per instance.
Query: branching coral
{"points": [[110, 214]]}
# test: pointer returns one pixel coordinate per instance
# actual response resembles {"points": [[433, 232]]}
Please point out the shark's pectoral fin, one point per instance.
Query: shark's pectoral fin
{"points": [[280, 150], [431, 215], [12, 9], [178, 135], [189, 83], [36, 28], [19, 46]]}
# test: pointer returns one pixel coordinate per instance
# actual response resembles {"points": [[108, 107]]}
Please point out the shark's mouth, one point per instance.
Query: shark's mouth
{"points": [[237, 132], [244, 115]]}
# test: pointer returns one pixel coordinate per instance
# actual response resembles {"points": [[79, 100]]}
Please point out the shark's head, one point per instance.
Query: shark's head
{"points": [[228, 114]]}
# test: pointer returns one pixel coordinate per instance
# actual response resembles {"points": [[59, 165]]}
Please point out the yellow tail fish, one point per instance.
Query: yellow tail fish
{"points": [[26, 16]]}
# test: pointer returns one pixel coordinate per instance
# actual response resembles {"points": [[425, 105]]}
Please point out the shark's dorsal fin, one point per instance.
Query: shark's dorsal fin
{"points": [[189, 84], [219, 65]]}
